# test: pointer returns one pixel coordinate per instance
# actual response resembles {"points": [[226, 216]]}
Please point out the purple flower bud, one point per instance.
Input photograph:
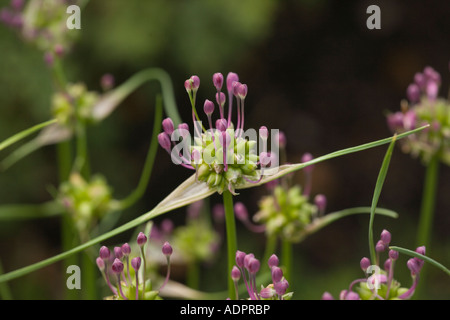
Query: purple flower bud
{"points": [[218, 80], [420, 80], [409, 120], [365, 263], [167, 249], [107, 81], [395, 120], [188, 85], [168, 127], [235, 273], [327, 296], [264, 133], [183, 129], [267, 293], [247, 259], [208, 107], [136, 263], [432, 75], [242, 91], [220, 98], [253, 265], [240, 211], [218, 212], [164, 141], [100, 263], [281, 287], [413, 93], [432, 90], [352, 296], [59, 50], [393, 254], [277, 274], [281, 139], [414, 266], [387, 264], [265, 159], [105, 253], [321, 202], [231, 77], [385, 237], [380, 246], [421, 250], [273, 261], [240, 256], [221, 125], [305, 158], [195, 81], [118, 252], [236, 85], [141, 239], [117, 266]]}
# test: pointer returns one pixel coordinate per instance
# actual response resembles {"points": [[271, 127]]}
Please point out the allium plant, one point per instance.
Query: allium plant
{"points": [[379, 282], [432, 146], [127, 276], [246, 268]]}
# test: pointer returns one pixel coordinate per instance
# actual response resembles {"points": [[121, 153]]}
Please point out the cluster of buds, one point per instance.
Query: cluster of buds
{"points": [[379, 283], [223, 156], [42, 23], [85, 201], [130, 283], [287, 211], [423, 107], [195, 241], [74, 104], [247, 267]]}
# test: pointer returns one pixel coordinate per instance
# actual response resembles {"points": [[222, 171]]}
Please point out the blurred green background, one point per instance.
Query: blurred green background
{"points": [[313, 70]]}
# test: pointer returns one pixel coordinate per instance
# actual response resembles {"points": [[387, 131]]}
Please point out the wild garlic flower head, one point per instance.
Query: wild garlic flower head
{"points": [[424, 106], [379, 282], [130, 283], [224, 156]]}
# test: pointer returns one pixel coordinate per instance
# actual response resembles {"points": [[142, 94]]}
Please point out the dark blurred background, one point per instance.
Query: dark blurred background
{"points": [[313, 70]]}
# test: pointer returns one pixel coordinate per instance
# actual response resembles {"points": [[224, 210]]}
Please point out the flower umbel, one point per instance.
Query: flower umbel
{"points": [[117, 266], [223, 156], [379, 282], [424, 106]]}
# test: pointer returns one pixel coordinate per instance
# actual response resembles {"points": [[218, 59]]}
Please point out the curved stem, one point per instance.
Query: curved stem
{"points": [[149, 161], [231, 239]]}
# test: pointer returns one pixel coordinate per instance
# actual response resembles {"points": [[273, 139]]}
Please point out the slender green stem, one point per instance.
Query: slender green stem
{"points": [[149, 161], [428, 202], [287, 259], [5, 292], [271, 245], [82, 160], [193, 275], [230, 224]]}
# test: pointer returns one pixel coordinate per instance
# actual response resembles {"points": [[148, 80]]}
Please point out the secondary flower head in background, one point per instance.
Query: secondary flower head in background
{"points": [[424, 106]]}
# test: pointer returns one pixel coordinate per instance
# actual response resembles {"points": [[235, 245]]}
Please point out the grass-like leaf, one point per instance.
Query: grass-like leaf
{"points": [[421, 256], [25, 133], [13, 212], [376, 195], [188, 192]]}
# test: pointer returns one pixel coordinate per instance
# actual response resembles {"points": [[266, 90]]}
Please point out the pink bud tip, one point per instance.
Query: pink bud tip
{"points": [[167, 249], [167, 125], [208, 107], [218, 80], [141, 239]]}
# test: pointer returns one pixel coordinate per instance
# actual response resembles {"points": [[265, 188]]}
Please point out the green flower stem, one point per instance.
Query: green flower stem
{"points": [[149, 161], [193, 275], [230, 223], [82, 161], [271, 245], [287, 259], [428, 202]]}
